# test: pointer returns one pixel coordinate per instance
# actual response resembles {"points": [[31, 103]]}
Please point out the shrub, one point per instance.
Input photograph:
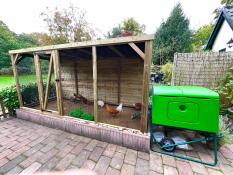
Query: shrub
{"points": [[78, 113], [225, 91], [226, 130], [6, 71], [10, 99], [167, 70]]}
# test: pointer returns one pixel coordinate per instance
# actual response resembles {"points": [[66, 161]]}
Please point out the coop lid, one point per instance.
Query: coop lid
{"points": [[185, 91]]}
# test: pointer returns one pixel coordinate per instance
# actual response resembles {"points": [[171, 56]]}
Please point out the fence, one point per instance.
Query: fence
{"points": [[201, 69]]}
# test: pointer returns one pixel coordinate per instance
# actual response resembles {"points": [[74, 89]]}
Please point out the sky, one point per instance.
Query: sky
{"points": [[23, 16]]}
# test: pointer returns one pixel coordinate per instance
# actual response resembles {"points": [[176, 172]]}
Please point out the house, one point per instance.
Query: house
{"points": [[221, 38]]}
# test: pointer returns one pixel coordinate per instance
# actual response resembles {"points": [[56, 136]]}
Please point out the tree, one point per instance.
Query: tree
{"points": [[128, 27], [67, 25], [172, 36], [218, 10], [201, 36]]}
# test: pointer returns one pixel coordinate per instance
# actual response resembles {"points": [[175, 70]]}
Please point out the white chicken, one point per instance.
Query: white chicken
{"points": [[120, 107], [100, 103]]}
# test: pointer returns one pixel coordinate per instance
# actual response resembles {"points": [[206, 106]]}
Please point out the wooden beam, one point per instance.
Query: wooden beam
{"points": [[57, 73], [94, 64], [47, 90], [39, 80], [116, 51], [138, 50], [146, 84], [120, 40], [15, 71]]}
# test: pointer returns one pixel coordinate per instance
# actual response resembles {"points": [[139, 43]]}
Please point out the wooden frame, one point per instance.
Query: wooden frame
{"points": [[55, 64]]}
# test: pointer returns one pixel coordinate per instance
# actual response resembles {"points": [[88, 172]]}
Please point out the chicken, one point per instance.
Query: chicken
{"points": [[82, 99], [112, 110], [137, 106], [100, 103]]}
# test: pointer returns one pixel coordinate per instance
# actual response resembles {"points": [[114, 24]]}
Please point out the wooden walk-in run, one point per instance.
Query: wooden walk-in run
{"points": [[113, 70]]}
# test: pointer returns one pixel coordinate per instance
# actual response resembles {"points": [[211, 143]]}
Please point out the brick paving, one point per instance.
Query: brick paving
{"points": [[27, 148]]}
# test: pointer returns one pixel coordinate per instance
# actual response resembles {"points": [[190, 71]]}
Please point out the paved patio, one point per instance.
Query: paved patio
{"points": [[26, 148]]}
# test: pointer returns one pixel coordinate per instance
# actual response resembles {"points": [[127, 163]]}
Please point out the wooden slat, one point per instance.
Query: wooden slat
{"points": [[15, 71], [57, 73], [120, 40], [95, 95], [39, 80], [137, 49], [146, 83], [116, 51], [47, 91]]}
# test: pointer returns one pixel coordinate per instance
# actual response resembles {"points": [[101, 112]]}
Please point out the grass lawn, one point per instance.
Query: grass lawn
{"points": [[9, 80]]}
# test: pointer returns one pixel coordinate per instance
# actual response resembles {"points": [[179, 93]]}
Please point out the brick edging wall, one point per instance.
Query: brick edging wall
{"points": [[117, 135]]}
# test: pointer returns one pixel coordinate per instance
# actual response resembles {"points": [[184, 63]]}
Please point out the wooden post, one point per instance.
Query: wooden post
{"points": [[39, 80], [94, 64], [15, 71], [146, 84], [47, 91], [57, 72]]}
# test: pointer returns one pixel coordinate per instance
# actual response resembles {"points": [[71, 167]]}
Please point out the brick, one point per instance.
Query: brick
{"points": [[214, 172], [65, 162], [33, 150], [170, 170], [81, 158], [110, 150], [120, 155], [11, 164], [184, 168], [18, 152], [3, 161], [14, 171], [62, 144], [102, 165], [65, 151], [153, 173], [102, 144], [143, 155], [35, 142], [127, 169], [5, 153], [121, 149], [131, 157], [198, 168], [96, 153], [205, 157], [46, 156], [78, 148], [156, 163], [112, 171], [21, 144], [168, 160], [227, 153], [142, 167], [91, 145], [33, 158], [48, 147], [89, 164], [49, 165], [117, 162], [31, 169]]}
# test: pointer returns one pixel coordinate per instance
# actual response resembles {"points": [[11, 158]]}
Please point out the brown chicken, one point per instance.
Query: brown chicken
{"points": [[111, 110]]}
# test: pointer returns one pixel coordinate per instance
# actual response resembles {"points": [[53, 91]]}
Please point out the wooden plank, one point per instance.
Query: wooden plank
{"points": [[116, 51], [47, 90], [138, 50], [113, 41], [15, 72], [39, 80], [146, 83], [57, 73], [95, 95]]}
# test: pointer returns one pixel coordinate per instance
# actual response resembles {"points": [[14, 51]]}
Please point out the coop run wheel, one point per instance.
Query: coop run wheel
{"points": [[166, 142]]}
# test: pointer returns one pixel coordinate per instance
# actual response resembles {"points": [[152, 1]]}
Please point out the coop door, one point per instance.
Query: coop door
{"points": [[48, 82]]}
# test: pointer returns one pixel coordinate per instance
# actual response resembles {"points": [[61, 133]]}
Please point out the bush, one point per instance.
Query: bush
{"points": [[6, 71], [167, 70], [226, 130], [78, 113], [225, 91], [10, 99]]}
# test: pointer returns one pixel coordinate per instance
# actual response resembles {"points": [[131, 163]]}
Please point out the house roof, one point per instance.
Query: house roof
{"points": [[226, 14]]}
